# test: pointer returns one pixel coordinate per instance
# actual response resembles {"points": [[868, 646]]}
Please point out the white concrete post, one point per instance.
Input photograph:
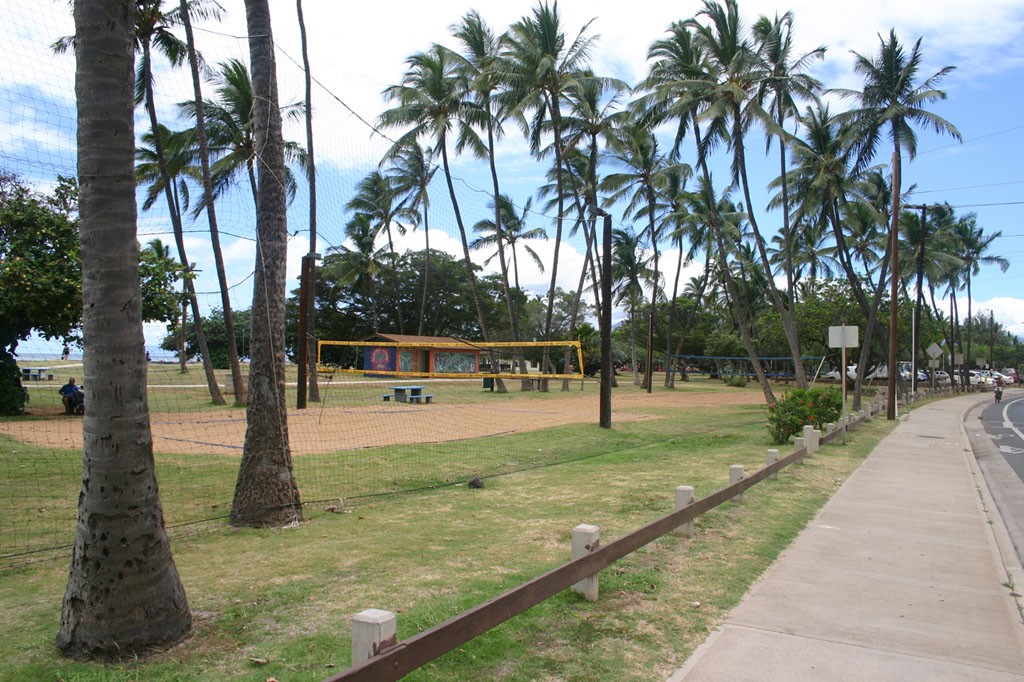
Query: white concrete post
{"points": [[830, 427], [812, 437], [735, 476], [684, 496], [373, 630], [585, 539], [798, 443], [772, 458]]}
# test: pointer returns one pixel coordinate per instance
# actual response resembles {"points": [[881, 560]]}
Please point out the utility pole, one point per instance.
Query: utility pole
{"points": [[917, 302]]}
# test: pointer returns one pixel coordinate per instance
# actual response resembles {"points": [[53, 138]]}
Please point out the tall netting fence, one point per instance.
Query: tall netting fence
{"points": [[366, 435]]}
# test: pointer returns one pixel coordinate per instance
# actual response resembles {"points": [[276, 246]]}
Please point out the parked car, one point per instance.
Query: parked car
{"points": [[941, 376], [978, 377], [1006, 378]]}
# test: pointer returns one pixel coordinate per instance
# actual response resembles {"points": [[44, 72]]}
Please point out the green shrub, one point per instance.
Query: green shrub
{"points": [[802, 406], [736, 381]]}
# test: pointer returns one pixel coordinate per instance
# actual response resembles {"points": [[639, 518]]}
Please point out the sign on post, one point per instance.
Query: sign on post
{"points": [[845, 336]]}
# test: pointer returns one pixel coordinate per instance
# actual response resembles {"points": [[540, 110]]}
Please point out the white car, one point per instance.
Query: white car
{"points": [[1007, 379]]}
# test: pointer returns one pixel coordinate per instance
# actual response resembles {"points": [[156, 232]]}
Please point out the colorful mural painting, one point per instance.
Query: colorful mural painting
{"points": [[454, 363], [381, 359], [406, 361]]}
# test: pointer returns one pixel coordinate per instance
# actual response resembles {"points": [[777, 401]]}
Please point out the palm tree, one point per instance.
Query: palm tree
{"points": [[512, 232], [266, 493], [120, 539], [892, 99], [153, 28], [681, 87], [974, 244], [364, 262], [629, 271], [479, 60], [231, 135], [538, 65], [411, 171], [635, 148], [784, 82], [736, 73], [430, 99], [211, 213]]}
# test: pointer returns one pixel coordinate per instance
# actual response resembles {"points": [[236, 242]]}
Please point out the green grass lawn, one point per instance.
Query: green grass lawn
{"points": [[277, 603]]}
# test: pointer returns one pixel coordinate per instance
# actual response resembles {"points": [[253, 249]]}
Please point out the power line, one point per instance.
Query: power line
{"points": [[973, 139], [954, 189]]}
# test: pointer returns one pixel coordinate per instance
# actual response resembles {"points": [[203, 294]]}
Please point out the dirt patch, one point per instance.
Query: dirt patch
{"points": [[330, 429]]}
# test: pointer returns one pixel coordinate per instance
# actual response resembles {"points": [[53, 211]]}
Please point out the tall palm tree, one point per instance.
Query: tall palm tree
{"points": [[784, 81], [634, 148], [231, 135], [974, 245], [430, 100], [211, 212], [153, 29], [681, 84], [736, 74], [538, 65], [479, 66], [178, 154], [892, 99], [512, 232], [629, 272], [412, 170], [265, 492], [124, 597]]}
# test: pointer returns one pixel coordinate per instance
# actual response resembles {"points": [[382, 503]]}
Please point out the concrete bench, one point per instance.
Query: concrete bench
{"points": [[419, 398]]}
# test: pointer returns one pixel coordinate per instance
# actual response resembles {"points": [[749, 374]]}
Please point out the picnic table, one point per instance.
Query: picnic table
{"points": [[36, 374], [410, 394]]}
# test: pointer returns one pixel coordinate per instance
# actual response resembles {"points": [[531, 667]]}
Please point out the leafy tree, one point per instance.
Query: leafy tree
{"points": [[39, 259], [215, 331], [159, 273], [124, 597]]}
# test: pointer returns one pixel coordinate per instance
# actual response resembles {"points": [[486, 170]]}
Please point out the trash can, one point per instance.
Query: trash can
{"points": [[489, 383]]}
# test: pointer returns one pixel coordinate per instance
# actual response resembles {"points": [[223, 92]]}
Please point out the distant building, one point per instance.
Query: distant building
{"points": [[420, 354]]}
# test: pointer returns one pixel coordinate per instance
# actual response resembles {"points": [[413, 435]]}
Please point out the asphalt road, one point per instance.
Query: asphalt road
{"points": [[996, 434], [1004, 423]]}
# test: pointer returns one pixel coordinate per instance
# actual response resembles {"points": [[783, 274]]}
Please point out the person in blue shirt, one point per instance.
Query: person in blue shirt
{"points": [[72, 397]]}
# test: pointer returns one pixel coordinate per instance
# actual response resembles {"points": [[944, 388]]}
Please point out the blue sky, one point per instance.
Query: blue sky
{"points": [[358, 49]]}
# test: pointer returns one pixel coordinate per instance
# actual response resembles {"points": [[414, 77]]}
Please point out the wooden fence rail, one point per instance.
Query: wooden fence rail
{"points": [[401, 658]]}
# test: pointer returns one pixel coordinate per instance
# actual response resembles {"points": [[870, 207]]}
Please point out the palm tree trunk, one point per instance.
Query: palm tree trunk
{"points": [[730, 285], [468, 261], [670, 374], [556, 125], [124, 597], [266, 493], [787, 314], [649, 368], [179, 238], [211, 212], [426, 270]]}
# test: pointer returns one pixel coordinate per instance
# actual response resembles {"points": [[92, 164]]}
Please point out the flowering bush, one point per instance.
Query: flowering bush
{"points": [[802, 406]]}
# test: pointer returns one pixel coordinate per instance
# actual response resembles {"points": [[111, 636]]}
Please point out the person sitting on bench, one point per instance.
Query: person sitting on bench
{"points": [[72, 397]]}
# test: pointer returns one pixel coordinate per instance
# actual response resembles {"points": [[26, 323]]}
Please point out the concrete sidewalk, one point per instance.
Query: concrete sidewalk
{"points": [[902, 576]]}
